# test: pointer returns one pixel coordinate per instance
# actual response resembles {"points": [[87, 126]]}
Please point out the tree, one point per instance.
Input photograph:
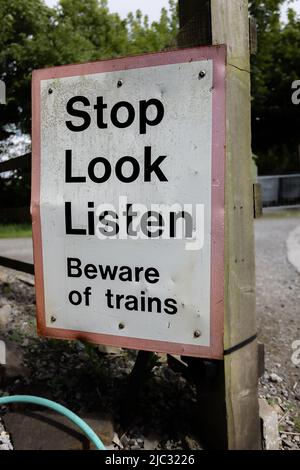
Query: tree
{"points": [[144, 37], [35, 36], [276, 121]]}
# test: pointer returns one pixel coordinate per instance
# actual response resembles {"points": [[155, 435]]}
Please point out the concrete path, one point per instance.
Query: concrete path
{"points": [[17, 248]]}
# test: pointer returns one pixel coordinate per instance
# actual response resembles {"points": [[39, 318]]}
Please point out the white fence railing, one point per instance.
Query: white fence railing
{"points": [[280, 190]]}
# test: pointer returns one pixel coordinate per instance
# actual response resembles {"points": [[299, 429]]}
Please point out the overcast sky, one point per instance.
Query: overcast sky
{"points": [[153, 7], [150, 7]]}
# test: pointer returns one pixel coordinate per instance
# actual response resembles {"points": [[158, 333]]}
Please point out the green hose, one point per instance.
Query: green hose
{"points": [[85, 428]]}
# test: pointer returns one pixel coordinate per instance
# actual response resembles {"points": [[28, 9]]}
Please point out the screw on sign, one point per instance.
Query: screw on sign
{"points": [[128, 201]]}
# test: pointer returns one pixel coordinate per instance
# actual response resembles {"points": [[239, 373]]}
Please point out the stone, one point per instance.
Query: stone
{"points": [[275, 378], [117, 441], [278, 409], [124, 440], [3, 276], [14, 366], [109, 350], [132, 442], [5, 315], [288, 443], [151, 443], [5, 443], [2, 352], [270, 425], [191, 443], [47, 430]]}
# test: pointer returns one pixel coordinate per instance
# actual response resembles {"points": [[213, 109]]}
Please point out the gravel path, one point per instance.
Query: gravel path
{"points": [[167, 407], [278, 294], [17, 248], [278, 318]]}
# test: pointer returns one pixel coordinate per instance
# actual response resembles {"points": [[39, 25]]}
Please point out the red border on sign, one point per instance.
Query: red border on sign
{"points": [[218, 55]]}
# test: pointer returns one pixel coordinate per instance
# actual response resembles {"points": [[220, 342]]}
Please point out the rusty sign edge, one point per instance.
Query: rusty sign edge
{"points": [[218, 55]]}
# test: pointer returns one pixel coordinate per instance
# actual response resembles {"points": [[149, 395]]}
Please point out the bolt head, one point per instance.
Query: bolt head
{"points": [[197, 334], [53, 319], [202, 74], [50, 91], [121, 326], [120, 83]]}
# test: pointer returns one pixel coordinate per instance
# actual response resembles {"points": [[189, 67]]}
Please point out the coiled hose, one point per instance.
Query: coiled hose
{"points": [[85, 428]]}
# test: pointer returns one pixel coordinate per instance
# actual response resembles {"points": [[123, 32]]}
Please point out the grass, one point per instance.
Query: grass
{"points": [[281, 214], [297, 423], [15, 231]]}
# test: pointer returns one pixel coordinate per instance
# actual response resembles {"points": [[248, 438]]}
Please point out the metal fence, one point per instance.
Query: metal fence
{"points": [[276, 190], [280, 190], [20, 163]]}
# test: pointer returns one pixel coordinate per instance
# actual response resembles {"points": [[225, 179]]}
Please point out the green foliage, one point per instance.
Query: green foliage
{"points": [[15, 231], [35, 36], [276, 121], [144, 37]]}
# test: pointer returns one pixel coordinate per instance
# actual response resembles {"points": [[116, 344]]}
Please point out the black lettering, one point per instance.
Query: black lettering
{"points": [[170, 306], [135, 169], [146, 223], [108, 272], [107, 170], [151, 300], [160, 111], [125, 273], [90, 271], [143, 307], [119, 297], [114, 114], [100, 106], [110, 227], [75, 297], [109, 296], [78, 113], [152, 275], [68, 220], [71, 267], [131, 303], [153, 167], [91, 219], [68, 167]]}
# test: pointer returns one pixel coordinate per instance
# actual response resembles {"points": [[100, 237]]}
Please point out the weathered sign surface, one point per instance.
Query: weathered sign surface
{"points": [[128, 201]]}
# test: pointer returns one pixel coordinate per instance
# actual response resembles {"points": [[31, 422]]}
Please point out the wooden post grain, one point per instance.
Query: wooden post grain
{"points": [[236, 398]]}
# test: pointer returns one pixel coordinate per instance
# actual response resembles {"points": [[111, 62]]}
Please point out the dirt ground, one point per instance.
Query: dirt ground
{"points": [[278, 317], [85, 379]]}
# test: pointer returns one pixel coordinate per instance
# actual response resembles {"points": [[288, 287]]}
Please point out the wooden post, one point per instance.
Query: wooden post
{"points": [[236, 378]]}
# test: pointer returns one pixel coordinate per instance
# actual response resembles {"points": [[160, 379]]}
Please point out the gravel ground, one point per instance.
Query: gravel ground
{"points": [[5, 442], [84, 379], [278, 315]]}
